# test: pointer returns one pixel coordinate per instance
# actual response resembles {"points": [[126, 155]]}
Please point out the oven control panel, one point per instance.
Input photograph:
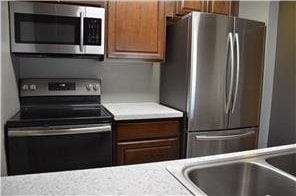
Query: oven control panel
{"points": [[60, 87]]}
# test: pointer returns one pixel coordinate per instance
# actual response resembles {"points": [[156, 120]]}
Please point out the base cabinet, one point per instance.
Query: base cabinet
{"points": [[146, 141], [147, 151]]}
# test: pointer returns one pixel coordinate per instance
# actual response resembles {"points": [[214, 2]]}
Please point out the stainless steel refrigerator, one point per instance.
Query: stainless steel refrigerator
{"points": [[213, 72]]}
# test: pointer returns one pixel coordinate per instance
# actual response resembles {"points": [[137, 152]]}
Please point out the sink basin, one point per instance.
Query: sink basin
{"points": [[286, 163], [240, 178]]}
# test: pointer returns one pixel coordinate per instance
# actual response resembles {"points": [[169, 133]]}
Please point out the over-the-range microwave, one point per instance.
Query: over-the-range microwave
{"points": [[48, 28]]}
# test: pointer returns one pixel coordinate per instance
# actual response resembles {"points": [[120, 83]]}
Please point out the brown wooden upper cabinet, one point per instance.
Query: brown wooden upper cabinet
{"points": [[183, 7], [223, 7], [98, 3], [136, 30]]}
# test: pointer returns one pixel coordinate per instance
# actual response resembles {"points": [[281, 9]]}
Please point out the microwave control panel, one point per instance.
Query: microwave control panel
{"points": [[92, 31]]}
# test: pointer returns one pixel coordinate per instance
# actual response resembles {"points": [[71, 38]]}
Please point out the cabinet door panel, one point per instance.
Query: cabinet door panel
{"points": [[98, 3], [223, 7], [147, 130], [184, 7], [136, 29], [147, 151]]}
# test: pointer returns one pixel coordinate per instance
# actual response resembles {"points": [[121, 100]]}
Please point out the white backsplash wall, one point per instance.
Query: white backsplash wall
{"points": [[121, 81]]}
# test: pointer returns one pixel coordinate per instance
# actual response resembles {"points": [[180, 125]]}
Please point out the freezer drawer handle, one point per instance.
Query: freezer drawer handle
{"points": [[223, 137], [49, 132]]}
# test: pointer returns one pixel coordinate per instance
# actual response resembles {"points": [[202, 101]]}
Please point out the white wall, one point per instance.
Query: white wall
{"points": [[266, 12], [121, 82], [9, 92]]}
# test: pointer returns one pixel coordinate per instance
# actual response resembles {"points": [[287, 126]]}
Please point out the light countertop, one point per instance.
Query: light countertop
{"points": [[152, 178], [145, 110]]}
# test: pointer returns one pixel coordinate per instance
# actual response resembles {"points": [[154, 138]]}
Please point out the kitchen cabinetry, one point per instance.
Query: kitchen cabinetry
{"points": [[223, 7], [87, 3], [146, 141], [136, 30], [183, 7]]}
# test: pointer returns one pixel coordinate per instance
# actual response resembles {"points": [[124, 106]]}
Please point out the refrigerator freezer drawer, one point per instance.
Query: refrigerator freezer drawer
{"points": [[218, 142]]}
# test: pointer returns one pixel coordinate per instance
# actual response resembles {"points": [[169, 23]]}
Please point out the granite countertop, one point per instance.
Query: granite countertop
{"points": [[152, 178], [145, 110]]}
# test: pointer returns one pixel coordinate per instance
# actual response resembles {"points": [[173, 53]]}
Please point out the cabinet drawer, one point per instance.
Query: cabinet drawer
{"points": [[147, 151], [147, 130]]}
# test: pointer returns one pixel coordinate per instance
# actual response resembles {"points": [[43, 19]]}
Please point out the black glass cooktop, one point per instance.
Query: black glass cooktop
{"points": [[60, 114], [56, 111]]}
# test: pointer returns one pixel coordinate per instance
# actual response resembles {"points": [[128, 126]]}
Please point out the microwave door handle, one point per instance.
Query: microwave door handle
{"points": [[81, 31]]}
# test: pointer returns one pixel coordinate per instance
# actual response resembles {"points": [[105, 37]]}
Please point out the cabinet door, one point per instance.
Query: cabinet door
{"points": [[223, 7], [98, 3], [136, 29], [184, 7], [147, 151]]}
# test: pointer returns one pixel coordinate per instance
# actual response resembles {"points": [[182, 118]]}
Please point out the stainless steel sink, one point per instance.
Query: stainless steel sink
{"points": [[286, 163], [270, 172], [241, 178]]}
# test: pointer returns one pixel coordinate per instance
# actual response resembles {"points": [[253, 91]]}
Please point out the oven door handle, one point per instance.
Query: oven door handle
{"points": [[51, 132]]}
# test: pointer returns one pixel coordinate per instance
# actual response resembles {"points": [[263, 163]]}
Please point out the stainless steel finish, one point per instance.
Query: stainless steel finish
{"points": [[286, 163], [42, 87], [224, 137], [217, 142], [174, 80], [59, 10], [228, 98], [81, 31], [205, 100], [241, 178], [237, 174], [251, 42], [215, 77], [237, 71], [49, 131]]}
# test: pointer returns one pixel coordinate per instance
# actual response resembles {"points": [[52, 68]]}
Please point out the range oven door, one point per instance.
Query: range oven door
{"points": [[37, 149], [56, 28], [219, 142]]}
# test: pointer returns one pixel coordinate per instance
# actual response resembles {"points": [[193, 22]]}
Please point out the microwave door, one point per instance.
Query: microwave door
{"points": [[46, 28]]}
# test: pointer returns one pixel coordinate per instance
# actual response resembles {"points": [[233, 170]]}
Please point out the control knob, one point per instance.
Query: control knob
{"points": [[96, 87], [33, 87], [25, 87], [89, 87]]}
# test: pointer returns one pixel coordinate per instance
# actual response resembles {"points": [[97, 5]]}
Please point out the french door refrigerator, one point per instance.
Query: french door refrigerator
{"points": [[213, 73]]}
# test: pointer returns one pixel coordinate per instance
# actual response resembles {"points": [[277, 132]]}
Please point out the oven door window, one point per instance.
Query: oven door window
{"points": [[58, 153], [47, 29]]}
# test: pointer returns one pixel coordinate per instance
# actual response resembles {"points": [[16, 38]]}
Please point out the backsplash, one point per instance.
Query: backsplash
{"points": [[121, 81]]}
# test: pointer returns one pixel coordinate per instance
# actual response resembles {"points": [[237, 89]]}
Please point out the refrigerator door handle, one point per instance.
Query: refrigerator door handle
{"points": [[228, 97], [224, 137], [237, 71]]}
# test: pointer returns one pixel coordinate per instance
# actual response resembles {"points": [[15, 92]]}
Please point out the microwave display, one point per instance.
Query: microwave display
{"points": [[92, 31]]}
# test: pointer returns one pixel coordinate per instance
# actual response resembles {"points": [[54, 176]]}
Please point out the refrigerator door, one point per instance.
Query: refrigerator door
{"points": [[249, 39], [209, 58], [218, 142]]}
